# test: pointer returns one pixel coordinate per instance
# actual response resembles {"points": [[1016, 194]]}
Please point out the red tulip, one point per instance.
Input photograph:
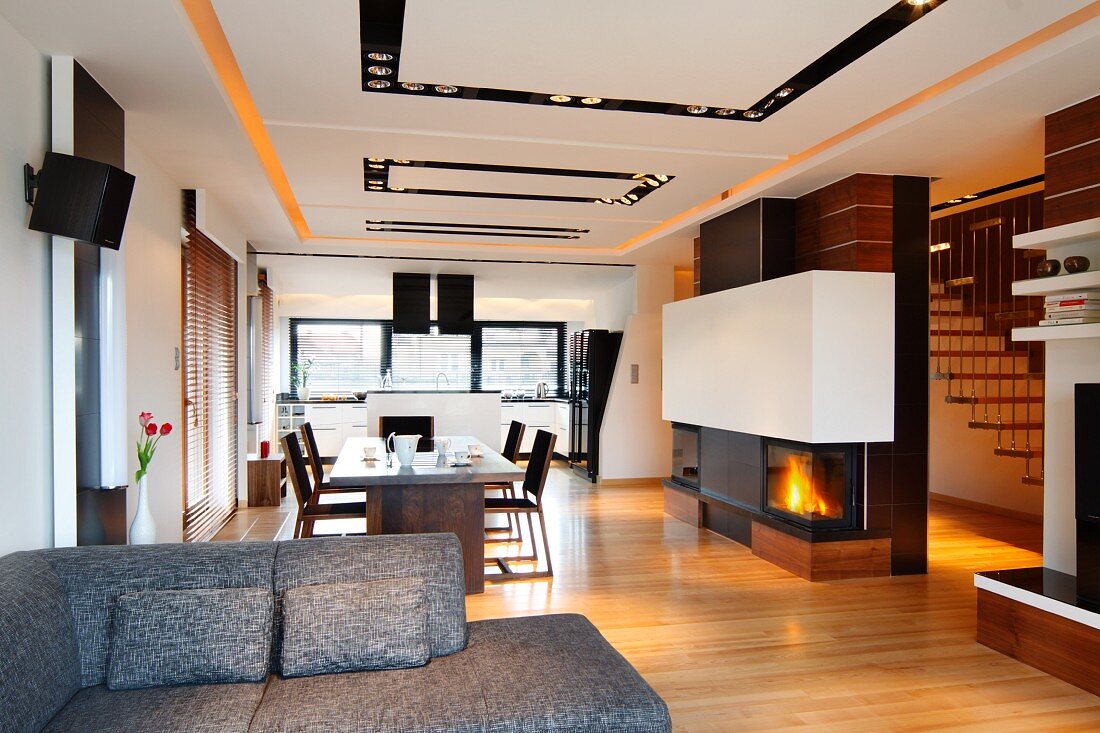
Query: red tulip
{"points": [[151, 429], [166, 428], [144, 418]]}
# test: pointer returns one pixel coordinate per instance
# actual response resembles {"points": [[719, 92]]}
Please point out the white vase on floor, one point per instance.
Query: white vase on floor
{"points": [[143, 530]]}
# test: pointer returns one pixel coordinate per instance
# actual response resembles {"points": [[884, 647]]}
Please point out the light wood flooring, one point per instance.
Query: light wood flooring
{"points": [[733, 643]]}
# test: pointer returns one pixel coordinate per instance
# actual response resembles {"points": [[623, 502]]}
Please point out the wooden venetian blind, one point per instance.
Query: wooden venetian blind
{"points": [[267, 359], [209, 382]]}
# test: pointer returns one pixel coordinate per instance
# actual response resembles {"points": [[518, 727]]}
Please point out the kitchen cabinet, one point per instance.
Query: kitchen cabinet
{"points": [[332, 423], [537, 415]]}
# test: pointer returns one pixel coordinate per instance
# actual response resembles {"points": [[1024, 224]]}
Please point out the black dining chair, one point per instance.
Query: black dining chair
{"points": [[317, 462], [309, 510], [422, 425], [528, 502], [511, 453]]}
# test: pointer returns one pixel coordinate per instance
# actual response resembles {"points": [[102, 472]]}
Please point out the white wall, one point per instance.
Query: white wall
{"points": [[26, 493], [151, 246], [1067, 363], [635, 441]]}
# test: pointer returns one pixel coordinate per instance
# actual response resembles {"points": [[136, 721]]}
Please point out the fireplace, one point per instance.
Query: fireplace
{"points": [[685, 455], [811, 485]]}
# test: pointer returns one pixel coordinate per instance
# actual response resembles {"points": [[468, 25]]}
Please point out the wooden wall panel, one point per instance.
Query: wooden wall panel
{"points": [[1072, 187], [1056, 645]]}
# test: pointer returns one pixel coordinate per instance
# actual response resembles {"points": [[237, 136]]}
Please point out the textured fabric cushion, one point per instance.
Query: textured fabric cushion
{"points": [[95, 577], [186, 637], [185, 709], [39, 666], [541, 673], [557, 673], [437, 558], [352, 627]]}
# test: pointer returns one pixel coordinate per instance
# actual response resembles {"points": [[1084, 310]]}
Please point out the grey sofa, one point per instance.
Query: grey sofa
{"points": [[541, 673]]}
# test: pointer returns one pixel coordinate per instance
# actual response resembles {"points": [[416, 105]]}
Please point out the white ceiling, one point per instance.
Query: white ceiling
{"points": [[650, 50], [301, 64]]}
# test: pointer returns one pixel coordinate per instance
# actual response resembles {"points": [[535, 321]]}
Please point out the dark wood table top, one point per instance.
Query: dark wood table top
{"points": [[351, 470]]}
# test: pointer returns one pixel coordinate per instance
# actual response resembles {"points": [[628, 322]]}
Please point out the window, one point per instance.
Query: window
{"points": [[352, 355], [419, 358], [210, 383], [347, 356], [519, 356]]}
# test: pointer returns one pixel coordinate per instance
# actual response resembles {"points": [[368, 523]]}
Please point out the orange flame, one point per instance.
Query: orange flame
{"points": [[802, 497]]}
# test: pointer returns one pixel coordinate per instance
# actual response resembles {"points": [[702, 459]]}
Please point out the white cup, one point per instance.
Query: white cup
{"points": [[462, 456], [370, 452], [442, 445], [475, 449]]}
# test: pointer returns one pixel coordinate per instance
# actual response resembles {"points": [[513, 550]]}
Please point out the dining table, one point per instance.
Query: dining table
{"points": [[431, 495]]}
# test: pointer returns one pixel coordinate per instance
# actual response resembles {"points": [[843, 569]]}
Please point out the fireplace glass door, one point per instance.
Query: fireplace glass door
{"points": [[810, 485]]}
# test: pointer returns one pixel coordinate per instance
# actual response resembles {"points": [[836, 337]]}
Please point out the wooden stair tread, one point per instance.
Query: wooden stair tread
{"points": [[1032, 480], [1019, 452], [1003, 426], [988, 376], [994, 399], [978, 352]]}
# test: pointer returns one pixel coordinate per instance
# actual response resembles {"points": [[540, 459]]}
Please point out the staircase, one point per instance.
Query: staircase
{"points": [[996, 384]]}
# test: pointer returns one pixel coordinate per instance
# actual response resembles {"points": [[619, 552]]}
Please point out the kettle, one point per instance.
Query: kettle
{"points": [[404, 446], [541, 391]]}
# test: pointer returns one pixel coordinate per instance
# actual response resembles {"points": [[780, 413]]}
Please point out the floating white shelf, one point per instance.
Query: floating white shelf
{"points": [[1057, 284], [1057, 333], [1078, 232]]}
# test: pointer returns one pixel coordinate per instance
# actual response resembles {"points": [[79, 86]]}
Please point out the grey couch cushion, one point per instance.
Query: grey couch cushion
{"points": [[95, 577], [557, 673], [437, 558], [541, 673], [353, 627], [39, 666], [199, 636], [185, 709]]}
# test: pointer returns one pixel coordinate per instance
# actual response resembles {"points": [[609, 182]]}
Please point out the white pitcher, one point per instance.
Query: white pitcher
{"points": [[404, 446]]}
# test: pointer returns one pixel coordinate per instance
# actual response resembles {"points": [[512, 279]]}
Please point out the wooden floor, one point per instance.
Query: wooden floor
{"points": [[733, 643]]}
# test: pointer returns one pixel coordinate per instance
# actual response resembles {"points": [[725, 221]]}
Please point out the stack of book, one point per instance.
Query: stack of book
{"points": [[1067, 309]]}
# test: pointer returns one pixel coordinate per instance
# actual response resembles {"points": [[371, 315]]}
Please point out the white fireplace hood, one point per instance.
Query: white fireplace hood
{"points": [[808, 357]]}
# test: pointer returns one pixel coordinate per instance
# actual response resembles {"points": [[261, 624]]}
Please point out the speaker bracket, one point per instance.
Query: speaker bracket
{"points": [[30, 183]]}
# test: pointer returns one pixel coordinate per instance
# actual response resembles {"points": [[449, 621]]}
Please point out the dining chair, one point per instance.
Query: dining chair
{"points": [[317, 462], [506, 488], [528, 502], [309, 510], [422, 425]]}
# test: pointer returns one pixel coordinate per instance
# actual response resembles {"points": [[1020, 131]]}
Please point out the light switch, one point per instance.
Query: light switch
{"points": [[633, 373]]}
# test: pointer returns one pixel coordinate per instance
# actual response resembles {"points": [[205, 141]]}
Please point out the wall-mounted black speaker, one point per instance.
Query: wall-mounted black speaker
{"points": [[412, 311], [456, 303], [1086, 464], [82, 199]]}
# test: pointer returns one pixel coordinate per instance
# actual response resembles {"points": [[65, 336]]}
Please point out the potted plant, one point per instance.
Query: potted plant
{"points": [[299, 378], [143, 531]]}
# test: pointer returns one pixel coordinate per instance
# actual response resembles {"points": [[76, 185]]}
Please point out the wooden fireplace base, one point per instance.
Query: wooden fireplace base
{"points": [[814, 561]]}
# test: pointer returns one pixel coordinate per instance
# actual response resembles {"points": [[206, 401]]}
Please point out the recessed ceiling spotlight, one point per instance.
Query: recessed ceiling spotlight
{"points": [[661, 177], [413, 86], [919, 3], [724, 112], [397, 188], [697, 109], [560, 98], [970, 196], [376, 182], [378, 84], [785, 92], [446, 88], [380, 56], [376, 166], [401, 161], [955, 201], [591, 100], [375, 188], [625, 200], [652, 182], [632, 196], [753, 114], [376, 160], [374, 221], [605, 200], [379, 70]]}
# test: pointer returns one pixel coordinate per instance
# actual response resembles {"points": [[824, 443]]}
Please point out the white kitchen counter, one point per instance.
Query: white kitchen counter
{"points": [[455, 413]]}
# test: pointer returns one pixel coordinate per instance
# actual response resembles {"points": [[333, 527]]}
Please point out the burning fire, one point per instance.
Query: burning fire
{"points": [[802, 497]]}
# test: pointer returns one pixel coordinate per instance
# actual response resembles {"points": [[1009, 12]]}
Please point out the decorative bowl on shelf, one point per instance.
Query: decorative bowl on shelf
{"points": [[1048, 268], [1076, 263], [360, 395]]}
